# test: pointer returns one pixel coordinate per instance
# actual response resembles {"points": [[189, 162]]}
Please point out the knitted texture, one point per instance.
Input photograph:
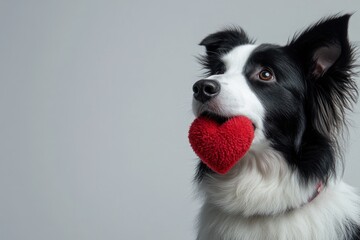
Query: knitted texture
{"points": [[221, 146]]}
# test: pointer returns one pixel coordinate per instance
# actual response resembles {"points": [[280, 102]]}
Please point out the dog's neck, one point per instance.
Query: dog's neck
{"points": [[319, 188], [262, 183], [310, 221]]}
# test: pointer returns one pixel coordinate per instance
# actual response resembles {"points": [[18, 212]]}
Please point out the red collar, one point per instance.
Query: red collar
{"points": [[319, 188]]}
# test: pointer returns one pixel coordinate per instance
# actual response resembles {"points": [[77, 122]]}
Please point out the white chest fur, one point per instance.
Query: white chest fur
{"points": [[253, 200], [325, 218]]}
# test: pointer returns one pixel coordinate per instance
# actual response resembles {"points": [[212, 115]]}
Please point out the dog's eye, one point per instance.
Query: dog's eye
{"points": [[266, 74]]}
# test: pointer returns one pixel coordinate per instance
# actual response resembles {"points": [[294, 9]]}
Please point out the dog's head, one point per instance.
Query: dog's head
{"points": [[295, 95]]}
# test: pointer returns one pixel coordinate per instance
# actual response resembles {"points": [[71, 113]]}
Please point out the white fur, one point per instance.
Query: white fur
{"points": [[261, 183], [261, 198], [324, 218]]}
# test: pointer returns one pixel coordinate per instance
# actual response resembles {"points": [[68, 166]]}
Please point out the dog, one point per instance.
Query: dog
{"points": [[288, 184]]}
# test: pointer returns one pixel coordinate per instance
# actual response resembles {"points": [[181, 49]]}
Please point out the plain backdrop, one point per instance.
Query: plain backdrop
{"points": [[95, 101]]}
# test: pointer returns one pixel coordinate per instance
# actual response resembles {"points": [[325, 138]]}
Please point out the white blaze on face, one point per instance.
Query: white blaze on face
{"points": [[236, 98]]}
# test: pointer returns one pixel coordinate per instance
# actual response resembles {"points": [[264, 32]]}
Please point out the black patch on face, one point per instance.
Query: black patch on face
{"points": [[217, 45], [285, 123]]}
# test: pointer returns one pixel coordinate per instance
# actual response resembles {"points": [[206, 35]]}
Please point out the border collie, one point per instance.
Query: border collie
{"points": [[288, 185]]}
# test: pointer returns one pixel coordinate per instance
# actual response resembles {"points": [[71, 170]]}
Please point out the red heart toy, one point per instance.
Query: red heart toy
{"points": [[221, 146]]}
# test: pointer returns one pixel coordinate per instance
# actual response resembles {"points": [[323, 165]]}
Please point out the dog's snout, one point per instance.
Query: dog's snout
{"points": [[206, 89]]}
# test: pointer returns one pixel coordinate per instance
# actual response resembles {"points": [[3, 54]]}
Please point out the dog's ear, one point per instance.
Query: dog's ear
{"points": [[225, 40], [325, 54], [323, 44]]}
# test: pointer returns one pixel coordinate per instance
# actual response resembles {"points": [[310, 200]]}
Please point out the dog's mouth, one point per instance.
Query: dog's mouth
{"points": [[218, 118], [215, 117]]}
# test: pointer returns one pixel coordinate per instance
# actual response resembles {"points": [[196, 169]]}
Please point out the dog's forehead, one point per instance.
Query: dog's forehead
{"points": [[237, 58]]}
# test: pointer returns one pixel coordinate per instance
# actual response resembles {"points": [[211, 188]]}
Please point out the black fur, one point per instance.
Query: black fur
{"points": [[332, 93], [218, 44], [354, 232]]}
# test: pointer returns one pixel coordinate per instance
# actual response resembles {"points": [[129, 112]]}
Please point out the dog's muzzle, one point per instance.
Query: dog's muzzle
{"points": [[206, 89]]}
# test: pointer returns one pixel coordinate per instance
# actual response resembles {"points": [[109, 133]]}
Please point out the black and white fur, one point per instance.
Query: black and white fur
{"points": [[298, 115]]}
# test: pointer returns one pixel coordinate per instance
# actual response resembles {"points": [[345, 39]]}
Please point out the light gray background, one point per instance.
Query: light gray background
{"points": [[95, 106]]}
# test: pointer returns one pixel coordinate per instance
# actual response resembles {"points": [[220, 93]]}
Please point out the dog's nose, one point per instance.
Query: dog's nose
{"points": [[206, 89]]}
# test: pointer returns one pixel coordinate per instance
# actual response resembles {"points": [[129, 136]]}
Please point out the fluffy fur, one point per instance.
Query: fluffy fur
{"points": [[298, 114]]}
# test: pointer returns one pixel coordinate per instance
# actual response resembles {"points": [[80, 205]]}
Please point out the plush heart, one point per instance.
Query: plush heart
{"points": [[221, 146]]}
